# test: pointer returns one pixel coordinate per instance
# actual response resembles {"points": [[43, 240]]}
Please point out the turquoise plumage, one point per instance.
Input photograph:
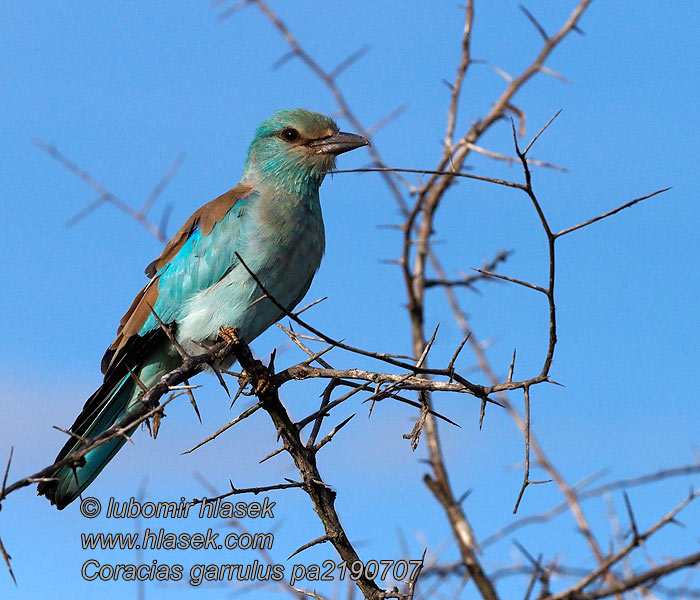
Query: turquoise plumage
{"points": [[272, 219]]}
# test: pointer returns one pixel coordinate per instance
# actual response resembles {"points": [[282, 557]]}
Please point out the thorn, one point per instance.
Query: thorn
{"points": [[507, 76], [95, 204], [256, 301], [308, 306], [7, 470], [512, 367], [420, 361], [67, 432], [451, 366], [320, 540], [633, 523], [147, 423], [7, 558], [541, 131], [157, 416], [241, 387], [161, 185], [244, 415], [271, 364], [384, 121], [335, 430], [525, 553], [515, 141], [138, 381], [273, 453], [169, 333], [373, 400], [165, 218], [232, 9], [220, 377], [549, 380], [313, 357], [354, 57], [553, 73], [534, 21], [464, 496], [286, 57], [193, 402]]}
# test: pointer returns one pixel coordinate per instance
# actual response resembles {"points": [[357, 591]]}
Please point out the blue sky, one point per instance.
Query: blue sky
{"points": [[123, 88]]}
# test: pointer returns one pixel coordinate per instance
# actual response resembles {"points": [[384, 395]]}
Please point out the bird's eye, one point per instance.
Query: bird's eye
{"points": [[289, 134]]}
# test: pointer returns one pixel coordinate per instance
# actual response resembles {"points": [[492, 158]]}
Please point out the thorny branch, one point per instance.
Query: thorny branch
{"points": [[427, 202], [304, 458], [148, 406], [139, 215]]}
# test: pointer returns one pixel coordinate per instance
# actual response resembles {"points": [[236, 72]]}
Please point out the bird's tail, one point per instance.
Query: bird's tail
{"points": [[108, 405]]}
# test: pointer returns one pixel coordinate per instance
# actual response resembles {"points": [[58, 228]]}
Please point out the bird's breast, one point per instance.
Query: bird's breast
{"points": [[282, 243]]}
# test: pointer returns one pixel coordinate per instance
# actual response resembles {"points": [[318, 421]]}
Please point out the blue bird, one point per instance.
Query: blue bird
{"points": [[272, 220]]}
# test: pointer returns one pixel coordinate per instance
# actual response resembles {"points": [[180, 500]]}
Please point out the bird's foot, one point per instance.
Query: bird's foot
{"points": [[256, 373], [229, 335], [259, 378]]}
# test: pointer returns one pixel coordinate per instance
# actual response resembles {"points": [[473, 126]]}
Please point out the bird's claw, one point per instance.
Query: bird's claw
{"points": [[229, 335], [255, 373], [260, 378]]}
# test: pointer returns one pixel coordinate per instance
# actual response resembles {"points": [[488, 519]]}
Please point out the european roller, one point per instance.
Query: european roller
{"points": [[198, 286]]}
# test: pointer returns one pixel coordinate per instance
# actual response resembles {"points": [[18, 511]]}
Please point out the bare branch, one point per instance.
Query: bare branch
{"points": [[605, 565], [104, 194]]}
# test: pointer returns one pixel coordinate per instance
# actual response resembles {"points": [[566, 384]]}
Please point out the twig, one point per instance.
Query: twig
{"points": [[105, 196]]}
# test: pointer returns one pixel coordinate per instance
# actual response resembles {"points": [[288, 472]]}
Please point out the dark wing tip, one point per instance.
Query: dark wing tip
{"points": [[49, 490], [106, 360], [151, 269]]}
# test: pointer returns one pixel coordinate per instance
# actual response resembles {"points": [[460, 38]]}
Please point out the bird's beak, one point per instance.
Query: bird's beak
{"points": [[338, 143]]}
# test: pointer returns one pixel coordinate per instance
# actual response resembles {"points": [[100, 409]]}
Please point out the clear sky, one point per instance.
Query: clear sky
{"points": [[123, 88]]}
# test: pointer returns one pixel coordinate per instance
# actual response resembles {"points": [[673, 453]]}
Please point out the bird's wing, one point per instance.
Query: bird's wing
{"points": [[197, 256]]}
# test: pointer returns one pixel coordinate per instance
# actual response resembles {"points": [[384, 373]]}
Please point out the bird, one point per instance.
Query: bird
{"points": [[269, 224]]}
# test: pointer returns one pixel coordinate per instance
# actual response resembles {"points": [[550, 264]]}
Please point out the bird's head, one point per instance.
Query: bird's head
{"points": [[294, 149]]}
